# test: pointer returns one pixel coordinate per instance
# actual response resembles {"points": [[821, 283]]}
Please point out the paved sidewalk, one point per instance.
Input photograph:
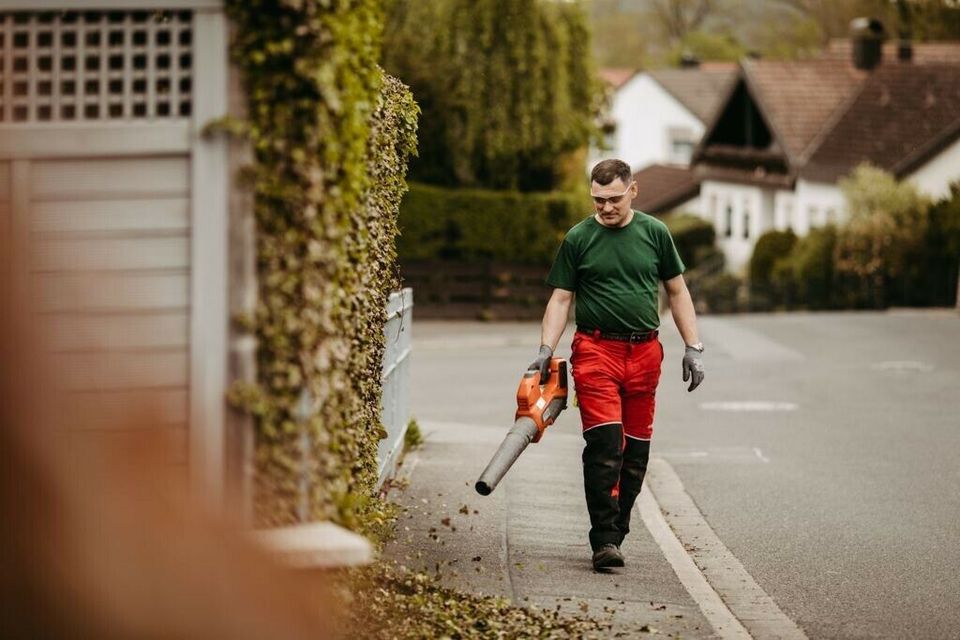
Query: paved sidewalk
{"points": [[528, 540]]}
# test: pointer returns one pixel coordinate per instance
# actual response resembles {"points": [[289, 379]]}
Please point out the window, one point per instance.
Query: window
{"points": [[681, 151], [746, 219], [681, 144], [728, 222]]}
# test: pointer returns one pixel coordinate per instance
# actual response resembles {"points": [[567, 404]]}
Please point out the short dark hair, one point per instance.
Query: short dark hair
{"points": [[609, 170]]}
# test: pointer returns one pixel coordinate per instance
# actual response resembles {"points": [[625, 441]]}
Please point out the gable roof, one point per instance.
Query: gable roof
{"points": [[902, 116], [701, 89], [661, 188], [798, 97], [826, 116]]}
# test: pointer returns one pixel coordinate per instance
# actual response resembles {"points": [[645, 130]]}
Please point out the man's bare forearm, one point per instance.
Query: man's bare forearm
{"points": [[555, 318], [684, 315]]}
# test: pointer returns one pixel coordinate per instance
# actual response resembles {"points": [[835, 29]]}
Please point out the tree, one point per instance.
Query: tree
{"points": [[771, 247], [507, 88], [707, 46], [884, 237], [805, 277], [680, 17]]}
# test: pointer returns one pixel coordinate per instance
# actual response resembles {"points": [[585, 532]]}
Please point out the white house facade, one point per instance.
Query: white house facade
{"points": [[658, 117], [934, 178], [652, 127], [788, 132]]}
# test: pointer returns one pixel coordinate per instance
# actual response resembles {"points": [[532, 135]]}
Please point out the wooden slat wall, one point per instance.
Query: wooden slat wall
{"points": [[110, 265]]}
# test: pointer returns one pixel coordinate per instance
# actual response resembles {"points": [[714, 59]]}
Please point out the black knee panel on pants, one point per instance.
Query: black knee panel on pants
{"points": [[634, 468], [602, 458]]}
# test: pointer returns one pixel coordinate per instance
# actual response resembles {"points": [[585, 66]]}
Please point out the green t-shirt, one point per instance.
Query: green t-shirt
{"points": [[616, 272]]}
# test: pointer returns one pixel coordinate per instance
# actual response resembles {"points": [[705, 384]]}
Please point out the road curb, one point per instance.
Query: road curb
{"points": [[755, 612]]}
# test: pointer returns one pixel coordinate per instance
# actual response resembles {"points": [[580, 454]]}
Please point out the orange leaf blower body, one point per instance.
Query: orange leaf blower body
{"points": [[537, 408]]}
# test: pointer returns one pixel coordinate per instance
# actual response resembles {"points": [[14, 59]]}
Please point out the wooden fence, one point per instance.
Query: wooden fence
{"points": [[477, 290]]}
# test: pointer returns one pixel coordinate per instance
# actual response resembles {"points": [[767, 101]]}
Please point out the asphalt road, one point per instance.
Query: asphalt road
{"points": [[824, 450]]}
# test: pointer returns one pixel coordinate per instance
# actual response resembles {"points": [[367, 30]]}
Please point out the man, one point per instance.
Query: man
{"points": [[613, 261]]}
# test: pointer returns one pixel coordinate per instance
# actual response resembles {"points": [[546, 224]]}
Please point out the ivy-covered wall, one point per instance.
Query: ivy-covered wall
{"points": [[331, 137]]}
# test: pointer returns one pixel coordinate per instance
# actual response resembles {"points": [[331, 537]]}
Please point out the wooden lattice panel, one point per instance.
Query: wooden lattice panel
{"points": [[64, 66]]}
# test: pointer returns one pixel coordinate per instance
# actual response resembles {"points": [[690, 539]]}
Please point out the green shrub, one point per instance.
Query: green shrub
{"points": [[939, 265], [693, 236], [805, 277], [474, 224], [879, 249], [770, 247], [413, 436], [718, 293]]}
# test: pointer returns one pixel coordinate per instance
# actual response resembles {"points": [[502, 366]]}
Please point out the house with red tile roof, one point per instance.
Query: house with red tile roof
{"points": [[787, 132], [657, 117]]}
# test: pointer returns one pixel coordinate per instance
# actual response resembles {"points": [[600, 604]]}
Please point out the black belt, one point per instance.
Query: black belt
{"points": [[636, 336]]}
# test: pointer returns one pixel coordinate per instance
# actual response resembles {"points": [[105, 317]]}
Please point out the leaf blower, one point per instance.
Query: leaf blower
{"points": [[537, 407]]}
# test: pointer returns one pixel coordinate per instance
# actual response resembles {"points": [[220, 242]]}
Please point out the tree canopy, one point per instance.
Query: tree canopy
{"points": [[654, 32], [507, 88]]}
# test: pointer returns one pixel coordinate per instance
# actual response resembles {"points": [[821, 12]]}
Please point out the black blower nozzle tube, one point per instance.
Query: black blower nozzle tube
{"points": [[521, 434]]}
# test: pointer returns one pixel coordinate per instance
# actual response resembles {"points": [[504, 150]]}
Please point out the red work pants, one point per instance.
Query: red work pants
{"points": [[616, 384]]}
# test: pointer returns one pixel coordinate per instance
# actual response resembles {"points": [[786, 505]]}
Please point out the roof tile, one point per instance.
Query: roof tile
{"points": [[700, 90], [902, 112], [660, 188], [799, 97]]}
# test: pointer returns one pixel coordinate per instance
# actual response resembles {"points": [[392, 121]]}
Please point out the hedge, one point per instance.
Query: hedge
{"points": [[694, 238], [806, 275], [330, 137], [770, 247], [474, 224]]}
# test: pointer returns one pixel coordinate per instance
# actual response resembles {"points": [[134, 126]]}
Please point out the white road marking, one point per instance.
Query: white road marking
{"points": [[724, 623], [760, 455], [748, 405], [734, 604], [902, 366]]}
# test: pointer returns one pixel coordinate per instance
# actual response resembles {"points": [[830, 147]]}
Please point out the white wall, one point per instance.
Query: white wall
{"points": [[934, 178], [809, 205], [691, 206], [817, 204], [740, 214], [784, 210], [645, 114]]}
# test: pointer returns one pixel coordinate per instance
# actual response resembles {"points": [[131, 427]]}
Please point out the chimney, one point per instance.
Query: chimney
{"points": [[905, 51], [905, 45], [867, 35], [689, 60]]}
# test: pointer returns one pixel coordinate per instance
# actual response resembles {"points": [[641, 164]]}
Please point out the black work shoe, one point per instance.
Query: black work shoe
{"points": [[607, 556]]}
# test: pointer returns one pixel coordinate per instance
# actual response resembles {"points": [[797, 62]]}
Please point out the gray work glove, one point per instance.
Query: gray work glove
{"points": [[693, 367], [542, 363]]}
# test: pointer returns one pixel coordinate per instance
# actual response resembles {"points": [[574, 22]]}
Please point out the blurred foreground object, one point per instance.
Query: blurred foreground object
{"points": [[112, 547]]}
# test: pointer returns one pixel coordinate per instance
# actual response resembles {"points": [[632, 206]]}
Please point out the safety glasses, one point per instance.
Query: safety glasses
{"points": [[614, 200]]}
